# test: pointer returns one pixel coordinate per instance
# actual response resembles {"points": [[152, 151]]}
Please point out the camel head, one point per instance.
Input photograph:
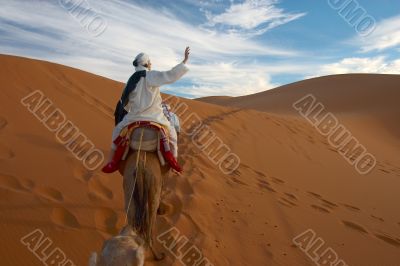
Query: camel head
{"points": [[124, 249]]}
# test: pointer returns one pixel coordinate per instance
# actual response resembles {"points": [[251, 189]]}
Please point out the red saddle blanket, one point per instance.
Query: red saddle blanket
{"points": [[123, 140]]}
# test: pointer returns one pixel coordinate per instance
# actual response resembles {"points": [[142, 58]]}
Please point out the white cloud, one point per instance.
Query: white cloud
{"points": [[228, 79], [45, 30], [386, 35], [234, 79], [377, 64], [252, 17]]}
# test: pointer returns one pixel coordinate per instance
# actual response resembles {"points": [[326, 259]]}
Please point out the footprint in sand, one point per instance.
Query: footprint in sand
{"points": [[236, 172], [325, 203], [3, 122], [27, 183], [291, 196], [170, 205], [377, 218], [12, 183], [277, 180], [314, 195], [97, 191], [64, 218], [202, 174], [287, 202], [332, 150], [328, 204], [106, 220], [384, 170], [292, 129], [265, 185], [276, 123], [260, 174], [237, 181], [78, 170], [49, 193], [355, 226], [389, 239], [351, 208], [244, 165], [320, 209], [6, 153]]}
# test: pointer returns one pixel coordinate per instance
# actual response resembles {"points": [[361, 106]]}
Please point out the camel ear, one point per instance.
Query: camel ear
{"points": [[127, 231], [93, 259]]}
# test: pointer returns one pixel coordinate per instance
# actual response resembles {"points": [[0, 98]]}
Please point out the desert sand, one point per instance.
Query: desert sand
{"points": [[289, 179]]}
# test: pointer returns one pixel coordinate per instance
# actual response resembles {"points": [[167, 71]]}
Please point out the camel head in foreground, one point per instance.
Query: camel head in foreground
{"points": [[124, 249]]}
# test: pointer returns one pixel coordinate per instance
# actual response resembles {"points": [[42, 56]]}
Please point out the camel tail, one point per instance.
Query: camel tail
{"points": [[93, 259]]}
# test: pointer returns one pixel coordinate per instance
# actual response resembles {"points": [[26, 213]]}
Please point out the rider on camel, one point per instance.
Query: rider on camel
{"points": [[144, 102]]}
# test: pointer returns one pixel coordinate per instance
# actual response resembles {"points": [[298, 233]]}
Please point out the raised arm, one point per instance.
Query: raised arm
{"points": [[159, 78]]}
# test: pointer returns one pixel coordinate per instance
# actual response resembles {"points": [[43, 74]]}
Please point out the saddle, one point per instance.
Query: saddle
{"points": [[149, 142], [145, 136]]}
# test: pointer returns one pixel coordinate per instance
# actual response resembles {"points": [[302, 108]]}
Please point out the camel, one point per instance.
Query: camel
{"points": [[142, 206], [142, 184]]}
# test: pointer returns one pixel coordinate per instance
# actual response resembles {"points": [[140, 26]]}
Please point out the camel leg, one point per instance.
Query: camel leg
{"points": [[132, 191], [128, 187], [155, 185]]}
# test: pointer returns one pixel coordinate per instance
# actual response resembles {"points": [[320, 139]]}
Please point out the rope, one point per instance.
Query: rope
{"points": [[136, 173]]}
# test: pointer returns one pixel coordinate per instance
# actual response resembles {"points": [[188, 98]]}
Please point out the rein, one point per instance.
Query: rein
{"points": [[136, 173]]}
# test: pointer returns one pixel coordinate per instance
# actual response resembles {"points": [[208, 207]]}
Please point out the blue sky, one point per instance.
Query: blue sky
{"points": [[238, 46]]}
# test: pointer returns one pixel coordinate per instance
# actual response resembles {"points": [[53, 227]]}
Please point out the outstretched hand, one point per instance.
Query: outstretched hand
{"points": [[187, 53]]}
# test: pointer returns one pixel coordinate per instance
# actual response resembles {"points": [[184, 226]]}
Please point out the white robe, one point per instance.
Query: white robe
{"points": [[173, 140], [175, 122], [145, 101]]}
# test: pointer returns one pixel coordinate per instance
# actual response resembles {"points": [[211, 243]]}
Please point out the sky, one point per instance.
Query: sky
{"points": [[238, 47]]}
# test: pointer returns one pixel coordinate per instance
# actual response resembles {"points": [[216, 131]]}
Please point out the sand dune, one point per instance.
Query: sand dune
{"points": [[290, 178], [365, 93]]}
